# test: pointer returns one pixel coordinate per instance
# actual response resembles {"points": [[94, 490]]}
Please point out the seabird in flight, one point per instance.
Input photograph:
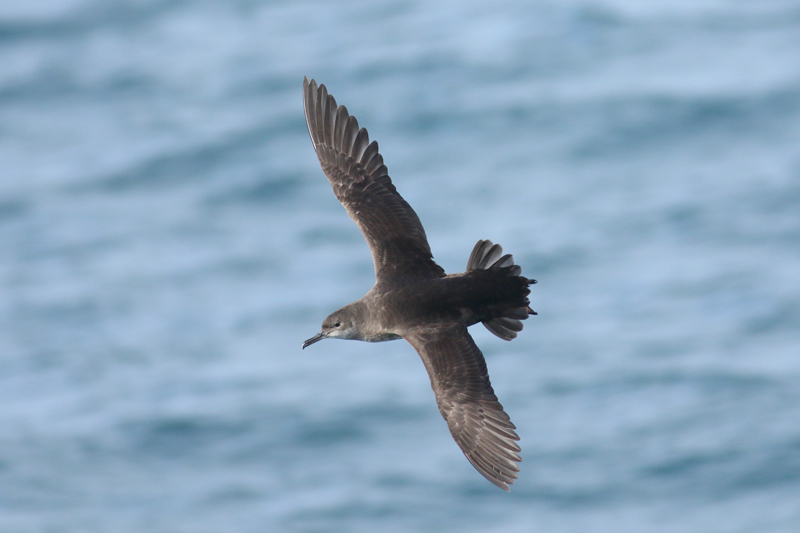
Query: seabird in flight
{"points": [[414, 299]]}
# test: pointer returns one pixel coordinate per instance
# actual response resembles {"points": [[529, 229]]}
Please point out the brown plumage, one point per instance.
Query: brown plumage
{"points": [[413, 299]]}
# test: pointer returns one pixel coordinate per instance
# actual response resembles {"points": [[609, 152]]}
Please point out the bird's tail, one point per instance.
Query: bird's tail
{"points": [[507, 320]]}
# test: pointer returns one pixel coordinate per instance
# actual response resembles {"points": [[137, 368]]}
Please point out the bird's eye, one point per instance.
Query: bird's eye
{"points": [[337, 325]]}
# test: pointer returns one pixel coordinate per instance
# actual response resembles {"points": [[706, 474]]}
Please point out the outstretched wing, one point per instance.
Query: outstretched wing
{"points": [[467, 401], [361, 183]]}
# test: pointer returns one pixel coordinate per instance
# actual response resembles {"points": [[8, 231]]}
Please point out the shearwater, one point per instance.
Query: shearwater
{"points": [[414, 299]]}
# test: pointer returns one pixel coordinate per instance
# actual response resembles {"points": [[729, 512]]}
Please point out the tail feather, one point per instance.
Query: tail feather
{"points": [[484, 253], [505, 261], [488, 256]]}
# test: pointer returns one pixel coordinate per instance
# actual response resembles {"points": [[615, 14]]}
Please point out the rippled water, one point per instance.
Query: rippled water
{"points": [[167, 241]]}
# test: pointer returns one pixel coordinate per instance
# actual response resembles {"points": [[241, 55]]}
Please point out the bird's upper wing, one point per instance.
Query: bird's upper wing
{"points": [[467, 401], [360, 181]]}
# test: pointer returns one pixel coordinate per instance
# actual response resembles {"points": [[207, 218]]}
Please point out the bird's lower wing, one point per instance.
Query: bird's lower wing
{"points": [[465, 397]]}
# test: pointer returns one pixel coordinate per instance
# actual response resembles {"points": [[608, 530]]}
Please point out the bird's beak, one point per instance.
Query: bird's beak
{"points": [[318, 337]]}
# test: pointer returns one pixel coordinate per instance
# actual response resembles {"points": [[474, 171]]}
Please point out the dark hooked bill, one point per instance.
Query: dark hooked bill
{"points": [[318, 337]]}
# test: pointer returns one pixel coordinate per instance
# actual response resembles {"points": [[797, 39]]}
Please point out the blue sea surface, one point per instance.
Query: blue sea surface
{"points": [[168, 240]]}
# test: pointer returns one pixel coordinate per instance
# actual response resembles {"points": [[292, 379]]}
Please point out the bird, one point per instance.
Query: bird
{"points": [[414, 299]]}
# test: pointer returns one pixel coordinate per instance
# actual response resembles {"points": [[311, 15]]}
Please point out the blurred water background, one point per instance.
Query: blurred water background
{"points": [[167, 241]]}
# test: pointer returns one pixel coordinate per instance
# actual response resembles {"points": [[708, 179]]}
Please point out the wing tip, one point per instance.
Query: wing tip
{"points": [[500, 472]]}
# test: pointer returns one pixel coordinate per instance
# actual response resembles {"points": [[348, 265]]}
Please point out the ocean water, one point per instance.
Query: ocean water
{"points": [[167, 241]]}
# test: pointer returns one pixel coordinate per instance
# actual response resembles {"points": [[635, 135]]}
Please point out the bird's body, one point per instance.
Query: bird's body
{"points": [[414, 299]]}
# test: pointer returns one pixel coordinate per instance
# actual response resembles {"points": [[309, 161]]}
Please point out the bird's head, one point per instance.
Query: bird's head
{"points": [[341, 324]]}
